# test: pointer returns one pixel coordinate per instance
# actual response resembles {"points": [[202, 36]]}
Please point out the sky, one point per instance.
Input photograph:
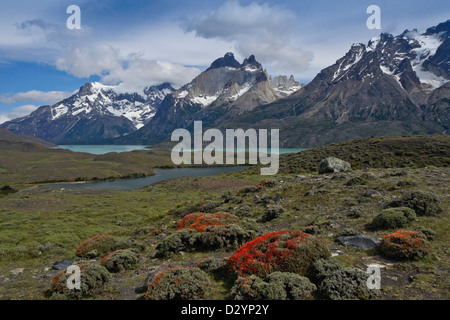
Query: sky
{"points": [[146, 42]]}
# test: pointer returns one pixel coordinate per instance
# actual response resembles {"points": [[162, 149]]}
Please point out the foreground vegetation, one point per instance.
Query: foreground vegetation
{"points": [[182, 233]]}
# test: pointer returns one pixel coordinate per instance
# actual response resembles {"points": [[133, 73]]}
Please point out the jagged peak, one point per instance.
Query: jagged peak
{"points": [[227, 60]]}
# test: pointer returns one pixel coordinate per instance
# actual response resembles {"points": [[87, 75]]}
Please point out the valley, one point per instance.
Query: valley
{"points": [[43, 226]]}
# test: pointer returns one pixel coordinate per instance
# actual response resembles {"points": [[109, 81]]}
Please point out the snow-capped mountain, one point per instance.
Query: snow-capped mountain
{"points": [[94, 114], [227, 81], [393, 85], [225, 90]]}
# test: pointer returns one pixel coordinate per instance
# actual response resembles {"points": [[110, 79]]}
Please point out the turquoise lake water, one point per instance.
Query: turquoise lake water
{"points": [[102, 149]]}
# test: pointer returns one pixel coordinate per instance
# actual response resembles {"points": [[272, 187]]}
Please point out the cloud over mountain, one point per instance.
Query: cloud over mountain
{"points": [[261, 29]]}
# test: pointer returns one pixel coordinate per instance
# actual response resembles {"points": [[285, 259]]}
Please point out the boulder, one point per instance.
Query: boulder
{"points": [[332, 165], [62, 264], [358, 241]]}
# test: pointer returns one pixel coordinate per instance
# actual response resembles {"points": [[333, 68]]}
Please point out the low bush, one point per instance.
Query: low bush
{"points": [[180, 240], [334, 282], [392, 218], [119, 260], [347, 284], [271, 213], [188, 220], [276, 286], [404, 245], [101, 245], [214, 219], [93, 278], [199, 221], [424, 203], [178, 284], [227, 236], [288, 251]]}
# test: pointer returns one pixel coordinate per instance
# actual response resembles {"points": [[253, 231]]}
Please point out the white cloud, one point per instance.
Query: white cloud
{"points": [[266, 31], [41, 97], [80, 55], [132, 71], [140, 73], [85, 61], [17, 112]]}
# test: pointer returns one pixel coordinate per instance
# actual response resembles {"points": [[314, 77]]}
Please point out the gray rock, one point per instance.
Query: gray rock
{"points": [[358, 241], [332, 165], [62, 264]]}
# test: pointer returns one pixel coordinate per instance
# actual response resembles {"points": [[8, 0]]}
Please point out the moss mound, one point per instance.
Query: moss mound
{"points": [[178, 284], [101, 245], [93, 278], [424, 203], [119, 260], [392, 218], [276, 286], [334, 282]]}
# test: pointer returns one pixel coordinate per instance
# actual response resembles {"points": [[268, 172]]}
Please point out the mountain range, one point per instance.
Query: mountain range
{"points": [[393, 85]]}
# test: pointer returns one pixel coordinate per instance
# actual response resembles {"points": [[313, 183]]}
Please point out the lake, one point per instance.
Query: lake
{"points": [[136, 183], [102, 149]]}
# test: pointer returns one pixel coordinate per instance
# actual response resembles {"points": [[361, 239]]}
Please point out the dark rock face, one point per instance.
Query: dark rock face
{"points": [[393, 86], [224, 91]]}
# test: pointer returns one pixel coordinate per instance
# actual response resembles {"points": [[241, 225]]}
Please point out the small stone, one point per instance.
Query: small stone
{"points": [[17, 271]]}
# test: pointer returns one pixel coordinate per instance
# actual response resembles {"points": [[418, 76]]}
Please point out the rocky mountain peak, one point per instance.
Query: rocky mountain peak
{"points": [[227, 60]]}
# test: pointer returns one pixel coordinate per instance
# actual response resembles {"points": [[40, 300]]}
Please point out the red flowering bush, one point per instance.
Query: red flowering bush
{"points": [[214, 219], [101, 245], [178, 284], [188, 220], [404, 245], [199, 221], [287, 251]]}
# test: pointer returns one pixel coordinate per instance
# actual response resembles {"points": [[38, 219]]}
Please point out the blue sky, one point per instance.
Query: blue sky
{"points": [[140, 43]]}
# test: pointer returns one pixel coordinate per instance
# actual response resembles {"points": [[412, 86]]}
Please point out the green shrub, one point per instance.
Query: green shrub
{"points": [[100, 245], [392, 218], [178, 284], [321, 268], [424, 203], [119, 260], [334, 282], [276, 286], [356, 181], [288, 286], [347, 284], [243, 211], [404, 245], [181, 240], [215, 237], [93, 278], [271, 213], [210, 264]]}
